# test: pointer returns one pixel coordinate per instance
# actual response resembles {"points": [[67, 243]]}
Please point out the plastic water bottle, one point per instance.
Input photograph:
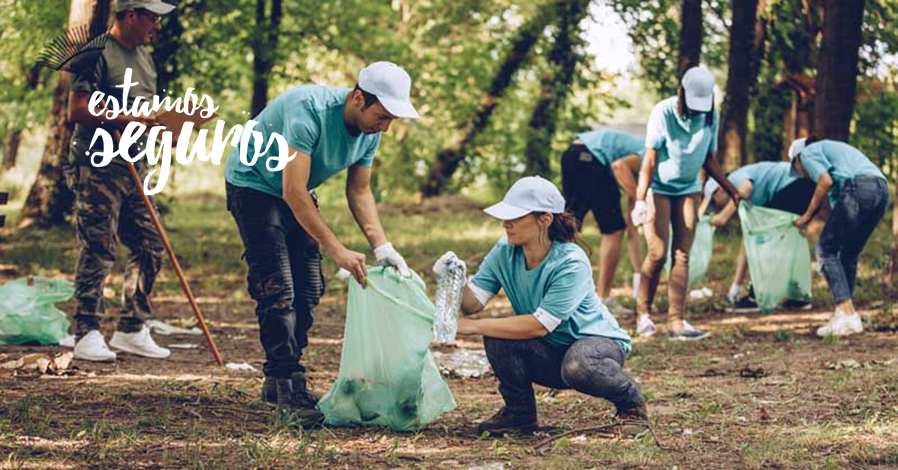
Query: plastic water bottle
{"points": [[450, 283]]}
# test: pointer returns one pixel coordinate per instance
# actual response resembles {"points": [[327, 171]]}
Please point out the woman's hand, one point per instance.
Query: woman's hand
{"points": [[466, 326], [802, 221]]}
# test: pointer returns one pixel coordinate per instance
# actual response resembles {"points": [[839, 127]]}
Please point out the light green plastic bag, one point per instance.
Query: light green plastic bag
{"points": [[779, 259], [27, 314], [387, 374], [700, 254]]}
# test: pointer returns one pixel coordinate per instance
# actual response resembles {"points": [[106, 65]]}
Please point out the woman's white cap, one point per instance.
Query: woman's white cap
{"points": [[528, 194], [698, 83]]}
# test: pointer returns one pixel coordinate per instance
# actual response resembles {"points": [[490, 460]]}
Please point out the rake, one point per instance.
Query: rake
{"points": [[79, 53]]}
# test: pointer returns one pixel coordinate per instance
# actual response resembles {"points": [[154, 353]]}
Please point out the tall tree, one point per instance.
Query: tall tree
{"points": [[742, 74], [11, 146], [49, 199], [168, 43], [264, 45], [556, 84], [461, 142], [837, 68], [690, 35]]}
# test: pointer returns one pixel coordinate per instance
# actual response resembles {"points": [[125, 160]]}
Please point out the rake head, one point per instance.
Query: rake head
{"points": [[75, 52]]}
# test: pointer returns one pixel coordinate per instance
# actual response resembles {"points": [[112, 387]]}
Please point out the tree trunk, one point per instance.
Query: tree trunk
{"points": [[11, 149], [690, 35], [49, 199], [556, 84], [264, 51], [741, 77], [449, 159], [837, 68]]}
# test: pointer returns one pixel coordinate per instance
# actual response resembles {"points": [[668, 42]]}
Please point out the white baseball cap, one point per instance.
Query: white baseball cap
{"points": [[528, 194], [698, 83], [391, 85], [156, 6], [794, 150]]}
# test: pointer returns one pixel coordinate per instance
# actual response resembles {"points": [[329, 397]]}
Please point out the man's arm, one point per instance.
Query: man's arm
{"points": [[79, 113], [623, 170], [296, 194], [361, 203], [713, 168], [724, 216], [824, 184]]}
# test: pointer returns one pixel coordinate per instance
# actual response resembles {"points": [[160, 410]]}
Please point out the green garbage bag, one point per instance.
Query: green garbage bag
{"points": [[779, 259], [700, 254], [387, 374], [27, 314]]}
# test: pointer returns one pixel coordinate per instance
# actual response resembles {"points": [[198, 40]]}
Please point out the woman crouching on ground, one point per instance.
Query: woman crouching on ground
{"points": [[561, 336]]}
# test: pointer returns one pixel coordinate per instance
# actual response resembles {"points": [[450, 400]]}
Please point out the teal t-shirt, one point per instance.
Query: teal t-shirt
{"points": [[310, 118], [609, 146], [562, 285], [767, 178], [842, 161], [682, 145]]}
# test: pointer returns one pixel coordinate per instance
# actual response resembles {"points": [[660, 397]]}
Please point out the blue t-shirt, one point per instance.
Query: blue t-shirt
{"points": [[682, 145], [310, 118], [842, 161], [609, 146], [767, 178], [561, 285]]}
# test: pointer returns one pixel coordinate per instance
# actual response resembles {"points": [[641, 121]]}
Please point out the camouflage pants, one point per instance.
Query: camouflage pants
{"points": [[108, 204]]}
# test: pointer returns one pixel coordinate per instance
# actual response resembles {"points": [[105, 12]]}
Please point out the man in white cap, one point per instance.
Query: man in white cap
{"points": [[108, 204], [329, 129]]}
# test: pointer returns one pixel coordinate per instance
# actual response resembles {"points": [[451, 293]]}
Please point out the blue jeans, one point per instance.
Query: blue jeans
{"points": [[592, 365], [284, 278], [861, 206]]}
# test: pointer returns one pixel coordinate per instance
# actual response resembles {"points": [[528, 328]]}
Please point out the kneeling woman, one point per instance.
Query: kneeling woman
{"points": [[561, 336]]}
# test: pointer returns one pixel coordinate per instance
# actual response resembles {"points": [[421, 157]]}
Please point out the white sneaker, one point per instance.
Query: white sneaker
{"points": [[616, 308], [140, 343], [645, 327], [68, 341], [842, 325], [92, 347]]}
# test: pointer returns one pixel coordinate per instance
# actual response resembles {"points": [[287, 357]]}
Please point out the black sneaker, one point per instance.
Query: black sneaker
{"points": [[746, 304], [508, 422], [634, 422], [797, 305], [304, 397]]}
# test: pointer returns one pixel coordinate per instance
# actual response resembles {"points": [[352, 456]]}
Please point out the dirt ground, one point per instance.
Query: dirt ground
{"points": [[761, 393]]}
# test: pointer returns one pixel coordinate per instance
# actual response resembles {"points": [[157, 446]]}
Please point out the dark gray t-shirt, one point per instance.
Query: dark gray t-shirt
{"points": [[110, 72]]}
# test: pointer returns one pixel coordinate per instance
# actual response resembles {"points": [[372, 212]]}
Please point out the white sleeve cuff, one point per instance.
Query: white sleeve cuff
{"points": [[547, 319], [483, 296]]}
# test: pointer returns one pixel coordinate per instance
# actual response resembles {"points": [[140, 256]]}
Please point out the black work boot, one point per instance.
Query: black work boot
{"points": [[509, 422], [304, 397], [633, 422], [290, 411]]}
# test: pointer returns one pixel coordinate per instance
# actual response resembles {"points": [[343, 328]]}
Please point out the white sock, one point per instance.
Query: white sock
{"points": [[637, 280]]}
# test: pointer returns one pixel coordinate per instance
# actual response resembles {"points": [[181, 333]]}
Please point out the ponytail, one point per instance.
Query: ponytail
{"points": [[565, 229]]}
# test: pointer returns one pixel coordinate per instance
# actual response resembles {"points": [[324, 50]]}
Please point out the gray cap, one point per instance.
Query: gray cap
{"points": [[156, 6]]}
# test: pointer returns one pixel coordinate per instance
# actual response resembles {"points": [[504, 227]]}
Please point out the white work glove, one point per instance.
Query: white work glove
{"points": [[448, 258], [640, 213], [388, 256]]}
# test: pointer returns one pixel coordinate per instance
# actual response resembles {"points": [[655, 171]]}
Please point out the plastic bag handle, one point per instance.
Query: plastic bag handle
{"points": [[416, 281]]}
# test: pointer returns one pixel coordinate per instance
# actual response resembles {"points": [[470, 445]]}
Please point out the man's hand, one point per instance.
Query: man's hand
{"points": [[388, 256], [718, 221], [802, 222], [640, 213], [354, 262]]}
